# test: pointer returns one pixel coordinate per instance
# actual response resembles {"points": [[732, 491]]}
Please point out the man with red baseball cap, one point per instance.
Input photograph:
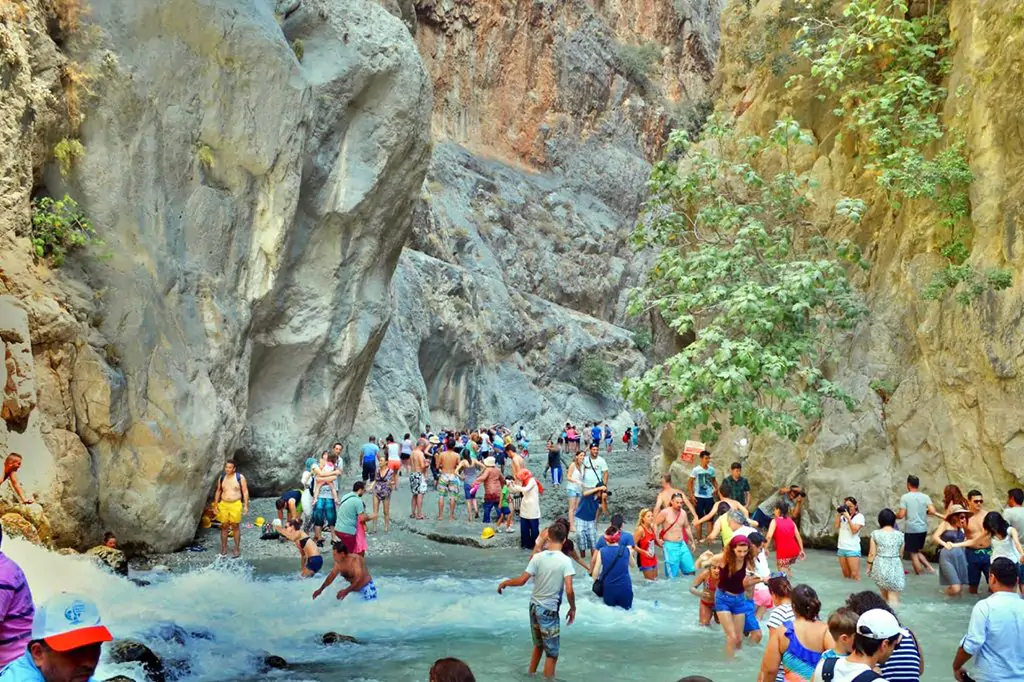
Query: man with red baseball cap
{"points": [[65, 645]]}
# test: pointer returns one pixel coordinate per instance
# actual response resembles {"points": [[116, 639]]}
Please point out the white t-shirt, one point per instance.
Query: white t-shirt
{"points": [[529, 508], [593, 471], [850, 541], [549, 570], [845, 671], [393, 452], [761, 569]]}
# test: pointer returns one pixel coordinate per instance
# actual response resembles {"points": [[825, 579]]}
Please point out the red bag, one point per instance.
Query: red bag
{"points": [[625, 436]]}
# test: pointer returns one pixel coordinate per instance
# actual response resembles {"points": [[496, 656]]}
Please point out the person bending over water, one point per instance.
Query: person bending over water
{"points": [[310, 561], [352, 568]]}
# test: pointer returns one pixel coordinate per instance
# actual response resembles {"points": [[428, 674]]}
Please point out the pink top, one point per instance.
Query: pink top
{"points": [[786, 546], [571, 433], [16, 611]]}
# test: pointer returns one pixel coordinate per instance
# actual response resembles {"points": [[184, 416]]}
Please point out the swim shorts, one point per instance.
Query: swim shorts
{"points": [[978, 563], [417, 483], [369, 592], [586, 535], [449, 485], [348, 540], [546, 629], [394, 464], [704, 506], [325, 514], [230, 512], [678, 560], [314, 564]]}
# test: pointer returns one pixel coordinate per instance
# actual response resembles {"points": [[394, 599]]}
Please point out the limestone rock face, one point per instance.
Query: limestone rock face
{"points": [[253, 206], [958, 372]]}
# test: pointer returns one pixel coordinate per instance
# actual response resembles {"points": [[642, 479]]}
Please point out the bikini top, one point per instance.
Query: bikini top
{"points": [[798, 658]]}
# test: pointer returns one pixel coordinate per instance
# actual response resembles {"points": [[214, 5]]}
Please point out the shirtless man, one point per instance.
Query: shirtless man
{"points": [[11, 466], [418, 481], [352, 568], [231, 503], [517, 460], [979, 549], [449, 487], [665, 496], [670, 524]]}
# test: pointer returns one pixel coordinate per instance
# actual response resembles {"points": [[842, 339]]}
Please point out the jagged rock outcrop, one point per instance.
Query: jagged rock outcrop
{"points": [[957, 372], [253, 207]]}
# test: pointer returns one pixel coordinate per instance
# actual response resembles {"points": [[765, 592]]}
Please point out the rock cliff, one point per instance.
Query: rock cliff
{"points": [[953, 414], [252, 170]]}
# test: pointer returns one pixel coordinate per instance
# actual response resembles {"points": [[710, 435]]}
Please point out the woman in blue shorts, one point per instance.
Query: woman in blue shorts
{"points": [[735, 612]]}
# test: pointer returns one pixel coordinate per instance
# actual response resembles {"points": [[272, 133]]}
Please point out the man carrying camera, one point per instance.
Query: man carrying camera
{"points": [[595, 473], [849, 521]]}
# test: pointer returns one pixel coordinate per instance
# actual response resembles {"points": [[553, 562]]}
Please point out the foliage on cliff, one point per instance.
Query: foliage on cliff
{"points": [[743, 269]]}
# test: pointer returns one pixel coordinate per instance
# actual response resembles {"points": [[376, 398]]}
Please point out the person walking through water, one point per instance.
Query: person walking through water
{"points": [[734, 611], [950, 536], [916, 507], [385, 482], [611, 568], [979, 546], [352, 568], [848, 522], [885, 558], [673, 528], [552, 573], [798, 645], [231, 503], [310, 561], [789, 544], [1005, 540], [645, 539]]}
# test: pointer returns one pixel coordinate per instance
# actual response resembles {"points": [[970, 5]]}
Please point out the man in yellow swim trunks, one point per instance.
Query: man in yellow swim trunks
{"points": [[231, 503]]}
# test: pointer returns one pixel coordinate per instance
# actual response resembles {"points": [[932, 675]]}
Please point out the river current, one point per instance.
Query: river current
{"points": [[435, 600]]}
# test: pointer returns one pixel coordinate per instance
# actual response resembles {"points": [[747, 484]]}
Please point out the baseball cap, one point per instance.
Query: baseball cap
{"points": [[68, 621], [879, 624]]}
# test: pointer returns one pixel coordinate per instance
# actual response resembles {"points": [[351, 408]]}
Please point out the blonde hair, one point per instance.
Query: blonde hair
{"points": [[640, 519]]}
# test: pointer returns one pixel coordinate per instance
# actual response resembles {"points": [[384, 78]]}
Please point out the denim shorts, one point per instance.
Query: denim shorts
{"points": [[573, 491], [737, 604], [546, 629], [848, 553]]}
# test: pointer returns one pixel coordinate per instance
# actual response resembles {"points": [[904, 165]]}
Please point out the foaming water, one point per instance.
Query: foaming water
{"points": [[217, 623]]}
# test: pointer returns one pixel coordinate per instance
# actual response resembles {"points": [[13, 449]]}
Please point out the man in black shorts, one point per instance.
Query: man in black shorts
{"points": [[915, 507]]}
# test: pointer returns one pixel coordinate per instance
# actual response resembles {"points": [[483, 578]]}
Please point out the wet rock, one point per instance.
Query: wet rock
{"points": [[17, 526], [67, 551], [114, 559], [119, 678], [271, 662], [140, 582], [169, 632], [335, 638], [133, 651]]}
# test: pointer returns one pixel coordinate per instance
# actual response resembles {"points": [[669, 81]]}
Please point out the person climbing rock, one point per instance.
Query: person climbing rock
{"points": [[11, 465]]}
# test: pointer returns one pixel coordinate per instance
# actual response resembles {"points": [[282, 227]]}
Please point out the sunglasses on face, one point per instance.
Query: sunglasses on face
{"points": [[977, 501]]}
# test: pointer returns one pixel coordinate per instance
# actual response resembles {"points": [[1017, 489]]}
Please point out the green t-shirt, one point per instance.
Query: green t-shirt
{"points": [[348, 513], [504, 496], [734, 489]]}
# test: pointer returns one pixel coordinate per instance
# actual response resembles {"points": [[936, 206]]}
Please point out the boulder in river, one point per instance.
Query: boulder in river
{"points": [[17, 526], [274, 662], [119, 678], [114, 559], [134, 651], [335, 638]]}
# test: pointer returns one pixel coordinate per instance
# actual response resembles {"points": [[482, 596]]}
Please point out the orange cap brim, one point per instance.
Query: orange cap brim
{"points": [[96, 634]]}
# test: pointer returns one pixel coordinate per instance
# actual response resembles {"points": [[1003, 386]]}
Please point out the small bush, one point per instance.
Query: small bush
{"points": [[635, 61], [205, 155], [595, 376], [66, 152], [75, 81], [299, 48], [884, 388], [59, 227], [642, 339], [68, 14]]}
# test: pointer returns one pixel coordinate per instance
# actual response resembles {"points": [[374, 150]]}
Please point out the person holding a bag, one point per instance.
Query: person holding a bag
{"points": [[611, 571], [673, 535]]}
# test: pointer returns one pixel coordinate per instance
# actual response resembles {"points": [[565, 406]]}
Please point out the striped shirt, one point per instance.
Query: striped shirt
{"points": [[904, 665], [16, 611], [783, 613]]}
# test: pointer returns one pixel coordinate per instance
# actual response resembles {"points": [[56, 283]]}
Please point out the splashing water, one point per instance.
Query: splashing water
{"points": [[217, 623]]}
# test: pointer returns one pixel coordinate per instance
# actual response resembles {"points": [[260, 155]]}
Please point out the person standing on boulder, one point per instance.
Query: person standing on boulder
{"points": [[16, 609], [11, 465], [231, 503]]}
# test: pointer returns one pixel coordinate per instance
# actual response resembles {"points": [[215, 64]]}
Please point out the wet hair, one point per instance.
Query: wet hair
{"points": [[281, 503], [862, 602], [951, 495], [1017, 495], [995, 524], [339, 547], [805, 602], [450, 670], [913, 481], [357, 486], [295, 524], [886, 518], [557, 532], [842, 621], [1004, 571], [780, 587], [973, 493], [723, 508]]}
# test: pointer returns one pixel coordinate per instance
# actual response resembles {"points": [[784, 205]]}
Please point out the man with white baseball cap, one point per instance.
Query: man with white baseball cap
{"points": [[878, 633], [65, 647]]}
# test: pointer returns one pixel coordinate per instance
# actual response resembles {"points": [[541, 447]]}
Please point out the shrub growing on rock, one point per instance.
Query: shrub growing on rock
{"points": [[595, 376], [58, 227]]}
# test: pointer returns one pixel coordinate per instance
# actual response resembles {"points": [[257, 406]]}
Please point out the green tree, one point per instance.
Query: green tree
{"points": [[59, 226], [745, 272], [595, 376]]}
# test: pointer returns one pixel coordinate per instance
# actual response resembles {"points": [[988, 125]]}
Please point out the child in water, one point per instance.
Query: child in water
{"points": [[704, 586]]}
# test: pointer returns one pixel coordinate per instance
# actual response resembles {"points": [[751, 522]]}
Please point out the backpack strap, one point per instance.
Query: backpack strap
{"points": [[828, 669], [867, 676]]}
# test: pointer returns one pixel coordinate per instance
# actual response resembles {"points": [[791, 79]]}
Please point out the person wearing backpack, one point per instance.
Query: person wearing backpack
{"points": [[878, 634], [231, 503], [610, 571]]}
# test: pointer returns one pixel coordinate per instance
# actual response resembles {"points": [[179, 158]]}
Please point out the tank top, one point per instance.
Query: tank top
{"points": [[575, 477], [727, 531], [1004, 548], [732, 582], [643, 541], [786, 546]]}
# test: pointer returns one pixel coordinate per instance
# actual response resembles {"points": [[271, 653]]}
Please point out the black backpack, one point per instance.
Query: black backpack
{"points": [[828, 671]]}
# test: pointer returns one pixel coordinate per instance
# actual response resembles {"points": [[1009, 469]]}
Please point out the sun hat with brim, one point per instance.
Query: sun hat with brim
{"points": [[956, 509], [434, 439], [489, 462], [879, 624], [69, 621]]}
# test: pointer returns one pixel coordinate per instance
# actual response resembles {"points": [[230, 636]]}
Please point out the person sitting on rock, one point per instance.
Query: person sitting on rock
{"points": [[11, 466], [67, 635], [352, 568]]}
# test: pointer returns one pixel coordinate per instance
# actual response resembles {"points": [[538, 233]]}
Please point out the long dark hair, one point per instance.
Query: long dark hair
{"points": [[995, 524], [806, 604]]}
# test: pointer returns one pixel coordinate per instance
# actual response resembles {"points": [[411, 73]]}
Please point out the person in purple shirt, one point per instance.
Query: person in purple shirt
{"points": [[16, 609]]}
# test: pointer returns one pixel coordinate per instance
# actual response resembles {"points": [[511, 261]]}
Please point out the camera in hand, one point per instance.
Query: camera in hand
{"points": [[842, 508]]}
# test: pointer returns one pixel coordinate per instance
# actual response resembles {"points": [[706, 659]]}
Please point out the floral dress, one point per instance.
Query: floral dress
{"points": [[887, 571], [382, 484]]}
